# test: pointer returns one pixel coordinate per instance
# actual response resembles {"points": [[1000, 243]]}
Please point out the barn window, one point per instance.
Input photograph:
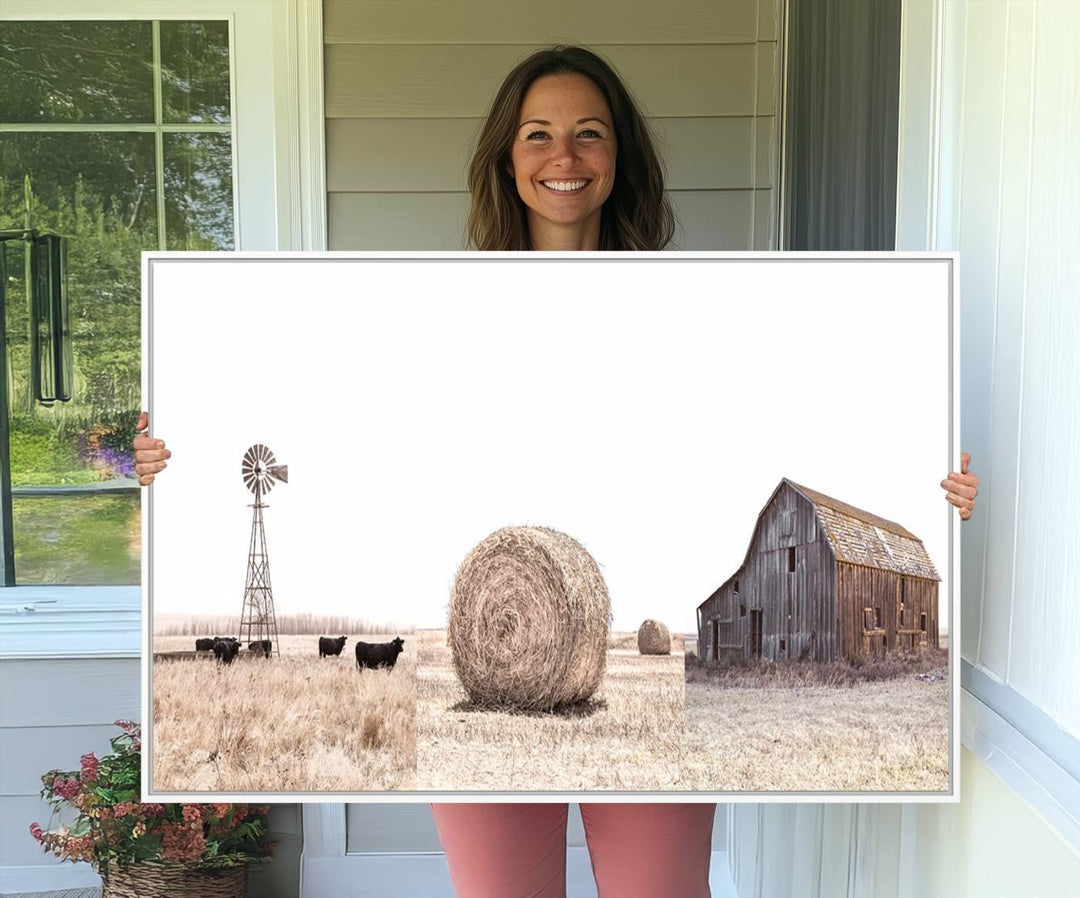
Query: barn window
{"points": [[791, 560], [736, 589], [922, 622], [742, 611], [783, 646], [877, 618]]}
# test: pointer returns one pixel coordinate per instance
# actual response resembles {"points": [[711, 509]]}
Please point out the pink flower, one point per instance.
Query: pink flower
{"points": [[192, 813], [65, 788], [36, 832], [181, 842], [89, 768]]}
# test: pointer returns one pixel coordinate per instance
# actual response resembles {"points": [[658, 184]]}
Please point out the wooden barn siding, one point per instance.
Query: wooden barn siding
{"points": [[860, 587], [766, 584], [407, 84]]}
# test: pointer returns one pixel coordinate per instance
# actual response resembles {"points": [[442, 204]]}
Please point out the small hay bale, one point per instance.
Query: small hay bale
{"points": [[653, 638], [529, 616]]}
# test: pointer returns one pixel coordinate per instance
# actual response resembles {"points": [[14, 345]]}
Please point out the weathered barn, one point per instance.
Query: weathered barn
{"points": [[822, 580]]}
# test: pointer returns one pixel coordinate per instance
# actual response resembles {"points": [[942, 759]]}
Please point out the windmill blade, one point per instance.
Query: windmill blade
{"points": [[260, 470]]}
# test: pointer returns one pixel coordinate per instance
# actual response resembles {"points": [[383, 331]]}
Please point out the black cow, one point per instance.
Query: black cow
{"points": [[205, 644], [263, 646], [378, 654], [226, 650], [328, 645]]}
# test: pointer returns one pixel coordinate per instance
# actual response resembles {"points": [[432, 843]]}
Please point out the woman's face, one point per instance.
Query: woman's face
{"points": [[563, 154]]}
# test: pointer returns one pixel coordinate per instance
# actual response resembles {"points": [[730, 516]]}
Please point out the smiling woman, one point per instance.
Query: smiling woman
{"points": [[565, 161]]}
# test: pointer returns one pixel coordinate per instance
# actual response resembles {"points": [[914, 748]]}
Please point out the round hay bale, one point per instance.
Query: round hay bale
{"points": [[653, 638], [529, 616]]}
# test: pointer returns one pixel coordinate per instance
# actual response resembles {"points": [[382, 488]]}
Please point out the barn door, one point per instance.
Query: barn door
{"points": [[755, 633]]}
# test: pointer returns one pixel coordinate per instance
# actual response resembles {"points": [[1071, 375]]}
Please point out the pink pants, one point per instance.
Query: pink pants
{"points": [[519, 850]]}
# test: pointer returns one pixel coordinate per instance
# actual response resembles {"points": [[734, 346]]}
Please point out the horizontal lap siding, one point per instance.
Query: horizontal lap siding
{"points": [[408, 83], [53, 712], [528, 22]]}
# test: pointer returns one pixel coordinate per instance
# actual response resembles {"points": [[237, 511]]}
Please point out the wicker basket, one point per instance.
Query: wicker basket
{"points": [[174, 881]]}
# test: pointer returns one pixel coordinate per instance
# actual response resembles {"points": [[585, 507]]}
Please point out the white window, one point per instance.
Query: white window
{"points": [[203, 132]]}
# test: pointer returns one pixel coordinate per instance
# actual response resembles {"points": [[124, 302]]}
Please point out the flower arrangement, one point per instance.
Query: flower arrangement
{"points": [[113, 827]]}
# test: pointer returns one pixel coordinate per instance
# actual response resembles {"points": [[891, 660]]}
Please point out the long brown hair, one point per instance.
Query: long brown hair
{"points": [[636, 216]]}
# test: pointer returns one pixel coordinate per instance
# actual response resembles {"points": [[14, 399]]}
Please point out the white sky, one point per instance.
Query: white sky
{"points": [[646, 408]]}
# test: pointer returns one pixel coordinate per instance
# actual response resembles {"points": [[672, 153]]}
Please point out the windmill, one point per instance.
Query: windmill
{"points": [[260, 471]]}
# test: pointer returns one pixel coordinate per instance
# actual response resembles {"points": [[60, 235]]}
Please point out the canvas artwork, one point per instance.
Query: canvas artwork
{"points": [[520, 525]]}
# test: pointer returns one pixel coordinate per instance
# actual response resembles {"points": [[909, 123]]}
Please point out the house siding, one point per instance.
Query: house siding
{"points": [[407, 85]]}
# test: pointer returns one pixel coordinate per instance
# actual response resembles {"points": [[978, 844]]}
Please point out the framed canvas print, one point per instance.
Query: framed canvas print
{"points": [[456, 525]]}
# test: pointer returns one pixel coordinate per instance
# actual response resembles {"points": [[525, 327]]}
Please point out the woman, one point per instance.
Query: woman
{"points": [[565, 162]]}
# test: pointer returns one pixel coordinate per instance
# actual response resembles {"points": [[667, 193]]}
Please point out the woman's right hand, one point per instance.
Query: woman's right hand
{"points": [[150, 453]]}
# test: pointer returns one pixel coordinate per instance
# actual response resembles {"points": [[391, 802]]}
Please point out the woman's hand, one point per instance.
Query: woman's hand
{"points": [[961, 488], [150, 454]]}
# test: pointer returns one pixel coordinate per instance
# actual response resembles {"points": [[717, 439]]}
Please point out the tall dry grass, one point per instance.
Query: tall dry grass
{"points": [[878, 726], [629, 736], [292, 723]]}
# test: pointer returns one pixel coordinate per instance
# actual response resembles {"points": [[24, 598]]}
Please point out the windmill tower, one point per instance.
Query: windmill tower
{"points": [[257, 620]]}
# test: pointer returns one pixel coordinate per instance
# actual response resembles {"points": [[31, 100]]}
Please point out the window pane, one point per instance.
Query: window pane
{"points": [[195, 72], [78, 540], [198, 192], [76, 72], [98, 190]]}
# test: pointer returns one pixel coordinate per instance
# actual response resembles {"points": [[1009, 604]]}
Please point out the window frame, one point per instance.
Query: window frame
{"points": [[279, 201]]}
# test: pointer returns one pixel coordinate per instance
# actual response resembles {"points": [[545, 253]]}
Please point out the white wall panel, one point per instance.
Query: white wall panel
{"points": [[1044, 663], [977, 234], [1012, 266], [1005, 189]]}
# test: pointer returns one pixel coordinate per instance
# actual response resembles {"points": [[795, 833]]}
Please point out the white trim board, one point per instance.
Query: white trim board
{"points": [[40, 622], [1047, 786]]}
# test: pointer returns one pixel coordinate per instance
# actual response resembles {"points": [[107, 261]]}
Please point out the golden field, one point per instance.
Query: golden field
{"points": [[628, 737], [292, 723], [819, 727]]}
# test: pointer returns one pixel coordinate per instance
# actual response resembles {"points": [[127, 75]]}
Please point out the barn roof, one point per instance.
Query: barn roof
{"points": [[859, 537]]}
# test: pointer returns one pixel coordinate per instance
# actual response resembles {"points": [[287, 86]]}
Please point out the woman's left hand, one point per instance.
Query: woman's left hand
{"points": [[962, 488]]}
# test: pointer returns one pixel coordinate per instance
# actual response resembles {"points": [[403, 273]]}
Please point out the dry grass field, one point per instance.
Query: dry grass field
{"points": [[293, 723], [628, 737], [794, 727]]}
